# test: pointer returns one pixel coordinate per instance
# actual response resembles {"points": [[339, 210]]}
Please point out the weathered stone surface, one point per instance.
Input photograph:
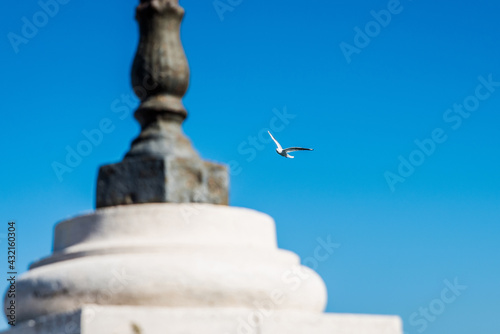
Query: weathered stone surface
{"points": [[162, 165], [170, 179], [160, 72]]}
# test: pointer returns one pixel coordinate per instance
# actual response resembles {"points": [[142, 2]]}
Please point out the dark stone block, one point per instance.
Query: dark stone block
{"points": [[156, 180]]}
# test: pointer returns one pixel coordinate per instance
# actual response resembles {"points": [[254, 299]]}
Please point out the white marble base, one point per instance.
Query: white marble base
{"points": [[177, 268], [167, 255], [94, 319]]}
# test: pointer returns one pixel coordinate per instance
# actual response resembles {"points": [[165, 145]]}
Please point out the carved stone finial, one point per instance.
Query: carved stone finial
{"points": [[162, 165], [160, 62]]}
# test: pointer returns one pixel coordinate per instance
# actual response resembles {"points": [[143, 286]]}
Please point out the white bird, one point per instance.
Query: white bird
{"points": [[284, 152]]}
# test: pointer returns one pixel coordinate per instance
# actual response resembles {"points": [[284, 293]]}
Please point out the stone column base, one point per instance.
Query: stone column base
{"points": [[95, 319]]}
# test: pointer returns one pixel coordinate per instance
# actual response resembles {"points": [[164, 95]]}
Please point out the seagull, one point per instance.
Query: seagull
{"points": [[284, 152]]}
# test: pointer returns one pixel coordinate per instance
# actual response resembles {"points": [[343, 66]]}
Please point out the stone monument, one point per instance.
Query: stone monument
{"points": [[163, 253], [162, 165]]}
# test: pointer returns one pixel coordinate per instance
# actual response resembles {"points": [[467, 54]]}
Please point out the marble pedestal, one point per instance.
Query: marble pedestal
{"points": [[177, 268]]}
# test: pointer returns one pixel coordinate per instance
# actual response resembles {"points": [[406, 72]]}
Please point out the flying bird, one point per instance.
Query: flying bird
{"points": [[284, 152]]}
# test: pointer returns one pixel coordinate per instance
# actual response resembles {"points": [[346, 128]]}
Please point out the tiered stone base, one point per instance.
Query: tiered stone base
{"points": [[177, 268]]}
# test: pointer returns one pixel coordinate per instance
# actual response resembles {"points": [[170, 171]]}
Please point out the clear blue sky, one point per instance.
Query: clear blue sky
{"points": [[360, 100]]}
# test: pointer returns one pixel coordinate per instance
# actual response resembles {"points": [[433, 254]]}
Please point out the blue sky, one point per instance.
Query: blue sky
{"points": [[410, 218]]}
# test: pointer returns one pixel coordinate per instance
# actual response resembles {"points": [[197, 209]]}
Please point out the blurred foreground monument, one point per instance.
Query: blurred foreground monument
{"points": [[163, 253]]}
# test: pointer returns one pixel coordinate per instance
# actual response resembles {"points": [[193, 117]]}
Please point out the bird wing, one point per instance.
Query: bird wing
{"points": [[293, 149], [277, 144]]}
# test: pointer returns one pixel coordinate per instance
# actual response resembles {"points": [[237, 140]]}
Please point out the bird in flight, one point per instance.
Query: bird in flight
{"points": [[284, 152]]}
